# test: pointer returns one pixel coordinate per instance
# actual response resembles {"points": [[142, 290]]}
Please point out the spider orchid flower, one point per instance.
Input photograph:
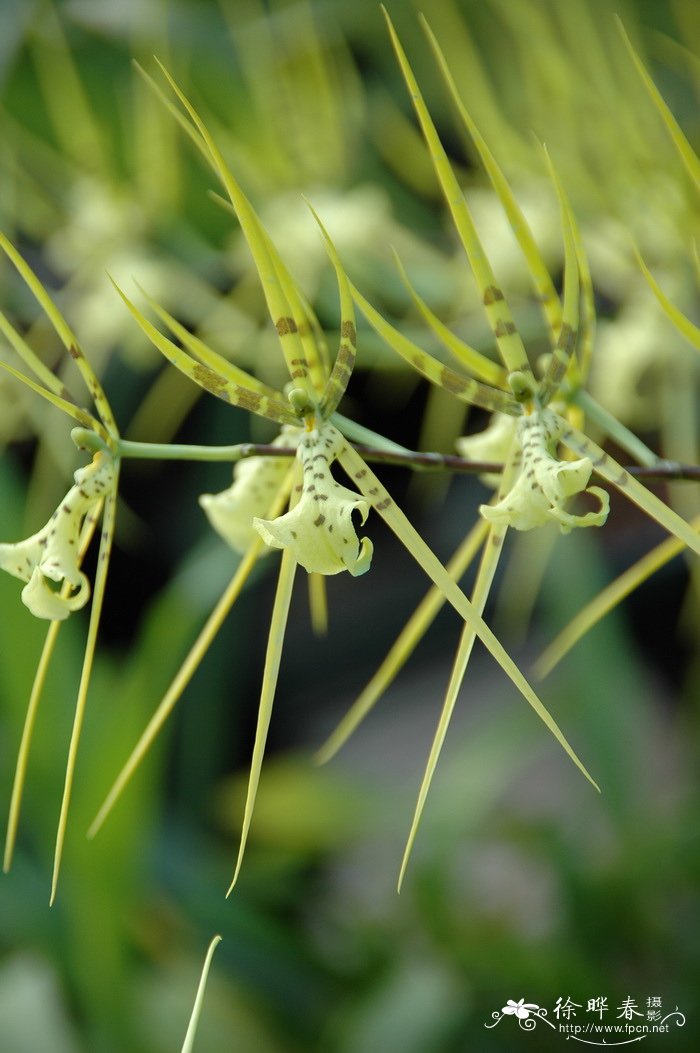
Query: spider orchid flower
{"points": [[52, 554], [319, 530], [535, 485], [544, 484], [494, 443], [256, 480]]}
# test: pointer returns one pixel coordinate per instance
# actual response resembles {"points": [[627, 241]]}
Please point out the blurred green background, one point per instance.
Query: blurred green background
{"points": [[524, 883]]}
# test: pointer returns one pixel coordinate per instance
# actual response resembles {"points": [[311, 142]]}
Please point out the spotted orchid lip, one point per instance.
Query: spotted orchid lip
{"points": [[319, 530], [544, 484], [52, 554]]}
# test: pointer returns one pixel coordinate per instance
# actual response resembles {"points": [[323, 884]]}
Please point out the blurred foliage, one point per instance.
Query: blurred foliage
{"points": [[524, 883]]}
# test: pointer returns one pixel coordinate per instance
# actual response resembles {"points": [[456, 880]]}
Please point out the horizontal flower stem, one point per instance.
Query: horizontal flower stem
{"points": [[157, 451], [661, 469], [667, 470], [412, 459], [240, 451], [428, 461]]}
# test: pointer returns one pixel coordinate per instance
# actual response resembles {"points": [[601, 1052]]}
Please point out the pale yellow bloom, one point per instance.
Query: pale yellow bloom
{"points": [[319, 530], [544, 484], [52, 553], [255, 482], [494, 443]]}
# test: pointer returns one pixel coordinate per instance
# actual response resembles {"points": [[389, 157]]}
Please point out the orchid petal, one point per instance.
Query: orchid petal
{"points": [[319, 530]]}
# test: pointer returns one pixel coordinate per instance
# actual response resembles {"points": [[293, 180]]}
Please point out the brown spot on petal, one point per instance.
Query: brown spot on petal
{"points": [[285, 326], [347, 330], [567, 339], [346, 356], [211, 381], [492, 294], [451, 381], [248, 400]]}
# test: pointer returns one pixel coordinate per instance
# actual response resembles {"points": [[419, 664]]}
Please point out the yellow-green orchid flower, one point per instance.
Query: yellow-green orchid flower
{"points": [[494, 443], [256, 480], [535, 486], [319, 530], [544, 484], [53, 552]]}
